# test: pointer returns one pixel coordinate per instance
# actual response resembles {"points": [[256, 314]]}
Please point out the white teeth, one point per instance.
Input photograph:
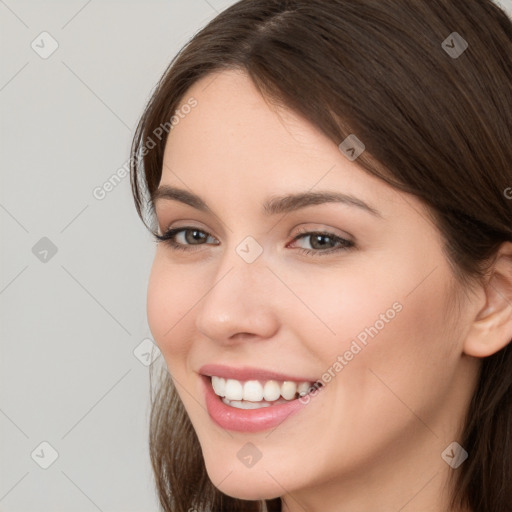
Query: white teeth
{"points": [[288, 389], [271, 390], [234, 390], [242, 404], [303, 388], [253, 391], [256, 391], [219, 386]]}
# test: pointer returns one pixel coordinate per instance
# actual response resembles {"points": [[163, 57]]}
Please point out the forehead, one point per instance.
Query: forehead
{"points": [[234, 132], [231, 112], [233, 146]]}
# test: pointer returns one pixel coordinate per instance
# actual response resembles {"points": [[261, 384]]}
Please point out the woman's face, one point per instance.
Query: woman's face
{"points": [[258, 288]]}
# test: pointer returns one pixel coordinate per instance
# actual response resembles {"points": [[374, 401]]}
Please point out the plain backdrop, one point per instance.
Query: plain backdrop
{"points": [[75, 345]]}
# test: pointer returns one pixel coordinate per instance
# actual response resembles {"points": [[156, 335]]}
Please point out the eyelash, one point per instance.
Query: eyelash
{"points": [[168, 239]]}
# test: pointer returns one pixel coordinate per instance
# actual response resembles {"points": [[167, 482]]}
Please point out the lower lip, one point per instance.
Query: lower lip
{"points": [[247, 420]]}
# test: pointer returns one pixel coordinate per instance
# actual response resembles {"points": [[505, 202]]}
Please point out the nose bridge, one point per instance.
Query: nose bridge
{"points": [[237, 299]]}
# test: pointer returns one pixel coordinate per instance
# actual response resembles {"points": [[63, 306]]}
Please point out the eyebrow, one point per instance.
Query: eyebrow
{"points": [[274, 206]]}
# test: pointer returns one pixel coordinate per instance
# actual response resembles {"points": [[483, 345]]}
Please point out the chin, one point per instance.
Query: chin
{"points": [[245, 484], [249, 492]]}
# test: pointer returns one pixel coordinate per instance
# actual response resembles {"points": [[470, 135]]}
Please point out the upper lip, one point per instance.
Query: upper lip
{"points": [[248, 373]]}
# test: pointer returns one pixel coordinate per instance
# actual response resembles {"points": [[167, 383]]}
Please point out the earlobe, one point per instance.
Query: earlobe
{"points": [[492, 327]]}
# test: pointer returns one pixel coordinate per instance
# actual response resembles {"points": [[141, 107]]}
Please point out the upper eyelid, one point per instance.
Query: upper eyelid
{"points": [[327, 231], [180, 229]]}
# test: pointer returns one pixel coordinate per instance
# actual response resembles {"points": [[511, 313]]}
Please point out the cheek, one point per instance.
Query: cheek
{"points": [[385, 327], [410, 359], [341, 306], [169, 299]]}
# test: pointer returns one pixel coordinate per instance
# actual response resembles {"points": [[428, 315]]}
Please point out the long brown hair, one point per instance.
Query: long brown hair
{"points": [[435, 123]]}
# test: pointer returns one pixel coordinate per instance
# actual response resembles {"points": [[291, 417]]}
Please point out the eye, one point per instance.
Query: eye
{"points": [[323, 242], [180, 238]]}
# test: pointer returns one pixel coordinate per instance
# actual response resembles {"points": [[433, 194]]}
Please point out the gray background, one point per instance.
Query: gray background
{"points": [[75, 342]]}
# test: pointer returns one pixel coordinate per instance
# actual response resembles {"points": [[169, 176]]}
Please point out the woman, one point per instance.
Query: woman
{"points": [[329, 183]]}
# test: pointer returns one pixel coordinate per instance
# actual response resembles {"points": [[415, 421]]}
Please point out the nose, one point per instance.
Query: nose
{"points": [[239, 303]]}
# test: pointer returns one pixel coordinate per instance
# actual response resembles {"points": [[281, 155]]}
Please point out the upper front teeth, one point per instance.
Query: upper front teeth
{"points": [[255, 391]]}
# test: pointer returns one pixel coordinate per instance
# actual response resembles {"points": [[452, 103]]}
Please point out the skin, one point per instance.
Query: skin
{"points": [[387, 416]]}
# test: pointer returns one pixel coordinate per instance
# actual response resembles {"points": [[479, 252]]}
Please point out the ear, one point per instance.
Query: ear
{"points": [[492, 327]]}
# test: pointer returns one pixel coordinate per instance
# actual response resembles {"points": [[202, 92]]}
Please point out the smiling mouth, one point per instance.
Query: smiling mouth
{"points": [[255, 394]]}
